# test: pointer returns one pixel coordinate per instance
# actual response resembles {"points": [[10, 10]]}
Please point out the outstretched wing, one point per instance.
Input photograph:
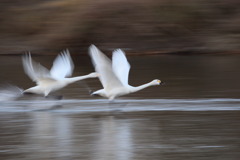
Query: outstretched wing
{"points": [[120, 66], [103, 66], [34, 70], [62, 66]]}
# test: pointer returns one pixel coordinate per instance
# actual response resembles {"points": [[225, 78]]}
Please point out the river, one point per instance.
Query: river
{"points": [[195, 115]]}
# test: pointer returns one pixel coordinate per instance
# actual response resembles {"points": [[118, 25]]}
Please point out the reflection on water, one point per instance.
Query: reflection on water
{"points": [[120, 136], [114, 140], [194, 116], [50, 136]]}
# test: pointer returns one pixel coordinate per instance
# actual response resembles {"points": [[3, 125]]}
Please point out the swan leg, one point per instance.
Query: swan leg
{"points": [[28, 93], [94, 94]]}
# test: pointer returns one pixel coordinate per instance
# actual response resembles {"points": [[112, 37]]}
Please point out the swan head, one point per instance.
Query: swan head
{"points": [[94, 74], [156, 82]]}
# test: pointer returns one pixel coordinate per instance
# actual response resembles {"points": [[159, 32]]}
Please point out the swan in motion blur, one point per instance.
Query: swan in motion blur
{"points": [[55, 79], [9, 92], [114, 75]]}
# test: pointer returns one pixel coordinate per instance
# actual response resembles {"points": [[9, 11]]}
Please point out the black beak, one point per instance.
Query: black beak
{"points": [[162, 83]]}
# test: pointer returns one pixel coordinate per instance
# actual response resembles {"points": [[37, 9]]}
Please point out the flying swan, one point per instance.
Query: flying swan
{"points": [[114, 75], [55, 79]]}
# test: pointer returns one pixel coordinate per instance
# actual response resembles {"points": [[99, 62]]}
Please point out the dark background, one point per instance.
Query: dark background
{"points": [[138, 26]]}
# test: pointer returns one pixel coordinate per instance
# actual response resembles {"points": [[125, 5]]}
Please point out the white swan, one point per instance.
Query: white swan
{"points": [[55, 79], [114, 75]]}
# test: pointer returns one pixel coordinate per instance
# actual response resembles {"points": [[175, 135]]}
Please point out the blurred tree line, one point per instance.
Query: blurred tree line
{"points": [[139, 26]]}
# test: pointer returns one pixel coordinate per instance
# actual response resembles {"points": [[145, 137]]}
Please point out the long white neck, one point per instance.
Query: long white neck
{"points": [[138, 88], [78, 78]]}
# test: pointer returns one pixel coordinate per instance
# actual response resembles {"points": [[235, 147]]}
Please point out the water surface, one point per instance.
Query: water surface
{"points": [[195, 115]]}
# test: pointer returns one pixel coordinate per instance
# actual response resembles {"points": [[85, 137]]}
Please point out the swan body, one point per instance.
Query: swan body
{"points": [[114, 75], [55, 79]]}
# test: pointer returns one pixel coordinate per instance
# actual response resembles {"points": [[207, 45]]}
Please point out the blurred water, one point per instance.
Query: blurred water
{"points": [[194, 116]]}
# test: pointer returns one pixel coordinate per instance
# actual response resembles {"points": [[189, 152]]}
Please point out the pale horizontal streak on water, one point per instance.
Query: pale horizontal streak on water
{"points": [[123, 105]]}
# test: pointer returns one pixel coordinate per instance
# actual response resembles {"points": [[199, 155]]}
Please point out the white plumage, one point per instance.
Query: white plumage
{"points": [[114, 75], [55, 79]]}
